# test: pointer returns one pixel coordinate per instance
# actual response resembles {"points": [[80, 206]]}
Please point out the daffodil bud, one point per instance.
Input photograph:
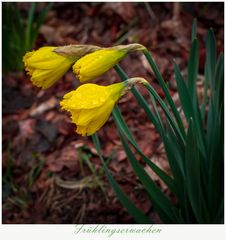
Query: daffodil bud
{"points": [[45, 66], [48, 64], [95, 64], [90, 105]]}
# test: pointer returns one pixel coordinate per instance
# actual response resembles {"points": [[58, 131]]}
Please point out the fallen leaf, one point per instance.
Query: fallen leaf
{"points": [[44, 107], [65, 157]]}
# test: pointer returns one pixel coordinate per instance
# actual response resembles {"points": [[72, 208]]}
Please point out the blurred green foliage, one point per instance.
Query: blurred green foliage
{"points": [[19, 33]]}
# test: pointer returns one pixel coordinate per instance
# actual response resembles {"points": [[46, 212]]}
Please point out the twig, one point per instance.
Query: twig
{"points": [[150, 11]]}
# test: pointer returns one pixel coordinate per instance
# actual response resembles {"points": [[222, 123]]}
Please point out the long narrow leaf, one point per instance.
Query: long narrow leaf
{"points": [[126, 202], [184, 95], [220, 213], [161, 203], [123, 127], [120, 121], [29, 28], [194, 29], [18, 24], [166, 111], [216, 162], [190, 110], [193, 177], [176, 149], [39, 22], [219, 76], [204, 100], [211, 57], [165, 90], [193, 66], [157, 114], [175, 159]]}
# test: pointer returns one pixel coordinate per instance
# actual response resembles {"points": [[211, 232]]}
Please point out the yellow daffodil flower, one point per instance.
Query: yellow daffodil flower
{"points": [[45, 66], [90, 105], [95, 64], [49, 64]]}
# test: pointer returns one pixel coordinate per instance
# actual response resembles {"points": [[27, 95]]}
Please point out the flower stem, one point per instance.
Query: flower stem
{"points": [[141, 101]]}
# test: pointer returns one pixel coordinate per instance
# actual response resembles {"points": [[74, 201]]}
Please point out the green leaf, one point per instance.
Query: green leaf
{"points": [[204, 100], [165, 90], [12, 32], [210, 124], [219, 76], [211, 57], [190, 110], [29, 28], [175, 157], [184, 95], [215, 154], [39, 21], [193, 66], [194, 29], [123, 127], [121, 123], [18, 23], [160, 123], [167, 113], [216, 159], [176, 150], [193, 178], [163, 206], [137, 214], [219, 219]]}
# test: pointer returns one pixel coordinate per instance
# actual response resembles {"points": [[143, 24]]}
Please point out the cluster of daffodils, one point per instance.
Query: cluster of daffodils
{"points": [[90, 105]]}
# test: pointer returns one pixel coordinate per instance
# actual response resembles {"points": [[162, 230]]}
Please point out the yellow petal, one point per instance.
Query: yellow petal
{"points": [[90, 105], [46, 66], [86, 96], [94, 124], [86, 116], [75, 115], [81, 130]]}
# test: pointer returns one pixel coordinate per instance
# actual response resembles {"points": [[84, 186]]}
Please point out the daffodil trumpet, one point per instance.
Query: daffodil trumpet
{"points": [[98, 62], [90, 105]]}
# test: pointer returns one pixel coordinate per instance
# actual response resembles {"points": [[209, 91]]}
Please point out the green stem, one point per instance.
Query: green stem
{"points": [[141, 101]]}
